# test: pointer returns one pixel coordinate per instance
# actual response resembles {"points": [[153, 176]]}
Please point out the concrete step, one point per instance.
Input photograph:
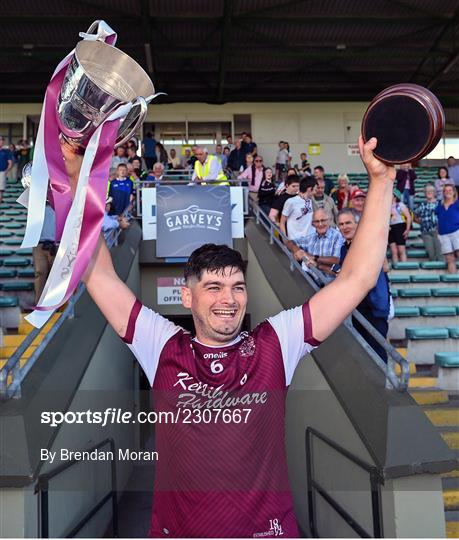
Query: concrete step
{"points": [[7, 352], [22, 362], [451, 499], [16, 340], [430, 397], [423, 382], [452, 529], [451, 438], [443, 417], [398, 369]]}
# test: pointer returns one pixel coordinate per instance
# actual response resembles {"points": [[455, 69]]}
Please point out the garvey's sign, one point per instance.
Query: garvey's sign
{"points": [[170, 290], [190, 216]]}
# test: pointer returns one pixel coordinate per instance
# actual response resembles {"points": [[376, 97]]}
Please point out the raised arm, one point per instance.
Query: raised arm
{"points": [[362, 265], [112, 296]]}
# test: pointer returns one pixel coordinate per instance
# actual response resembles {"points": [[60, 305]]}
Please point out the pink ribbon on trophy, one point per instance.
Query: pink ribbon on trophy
{"points": [[78, 219]]}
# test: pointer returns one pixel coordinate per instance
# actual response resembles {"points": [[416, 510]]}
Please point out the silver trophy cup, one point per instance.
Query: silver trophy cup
{"points": [[99, 79]]}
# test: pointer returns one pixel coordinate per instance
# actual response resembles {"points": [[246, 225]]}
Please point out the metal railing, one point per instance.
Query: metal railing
{"points": [[13, 367], [314, 487], [42, 489], [315, 278]]}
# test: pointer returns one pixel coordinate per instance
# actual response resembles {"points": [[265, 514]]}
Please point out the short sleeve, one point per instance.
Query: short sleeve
{"points": [[294, 331], [287, 210], [146, 335]]}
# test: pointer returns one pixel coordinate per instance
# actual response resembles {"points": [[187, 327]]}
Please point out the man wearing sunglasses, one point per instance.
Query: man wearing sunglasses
{"points": [[255, 174]]}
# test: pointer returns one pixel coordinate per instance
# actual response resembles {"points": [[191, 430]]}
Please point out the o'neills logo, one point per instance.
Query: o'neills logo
{"points": [[194, 217]]}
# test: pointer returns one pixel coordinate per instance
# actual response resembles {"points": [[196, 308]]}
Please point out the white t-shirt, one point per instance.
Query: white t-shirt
{"points": [[298, 212], [283, 156]]}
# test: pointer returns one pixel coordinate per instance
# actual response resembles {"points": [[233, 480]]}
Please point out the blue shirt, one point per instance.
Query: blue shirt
{"points": [[378, 299], [120, 190], [448, 219], [149, 146], [326, 245], [5, 156]]}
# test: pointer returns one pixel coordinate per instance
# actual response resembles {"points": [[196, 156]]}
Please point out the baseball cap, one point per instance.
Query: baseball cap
{"points": [[358, 193]]}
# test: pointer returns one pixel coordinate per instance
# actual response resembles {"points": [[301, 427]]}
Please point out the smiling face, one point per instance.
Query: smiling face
{"points": [[321, 221], [218, 303], [347, 226]]}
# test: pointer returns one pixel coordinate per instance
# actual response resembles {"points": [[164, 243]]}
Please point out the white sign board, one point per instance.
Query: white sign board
{"points": [[170, 290], [353, 150], [149, 212]]}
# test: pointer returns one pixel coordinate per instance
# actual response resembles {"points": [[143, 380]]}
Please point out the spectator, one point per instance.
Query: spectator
{"points": [[111, 224], [161, 154], [185, 159], [219, 152], [296, 218], [249, 158], [453, 169], [248, 145], [158, 174], [375, 306], [148, 150], [12, 175], [283, 159], [342, 194], [119, 157], [6, 163], [23, 149], [255, 174], [319, 174], [225, 156], [358, 197], [266, 191], [320, 200], [236, 160], [45, 251], [174, 160], [292, 186], [229, 143], [425, 215], [131, 153], [442, 180], [400, 224], [404, 182], [121, 190], [321, 248], [193, 157], [305, 168], [140, 174], [207, 167], [448, 226]]}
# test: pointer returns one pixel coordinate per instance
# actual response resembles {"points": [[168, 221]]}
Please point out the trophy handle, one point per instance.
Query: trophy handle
{"points": [[133, 120]]}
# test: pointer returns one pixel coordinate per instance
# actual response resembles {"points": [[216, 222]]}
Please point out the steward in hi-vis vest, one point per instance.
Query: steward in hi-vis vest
{"points": [[208, 167]]}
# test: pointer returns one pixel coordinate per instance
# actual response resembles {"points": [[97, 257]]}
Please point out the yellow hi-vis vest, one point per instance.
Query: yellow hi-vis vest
{"points": [[202, 171]]}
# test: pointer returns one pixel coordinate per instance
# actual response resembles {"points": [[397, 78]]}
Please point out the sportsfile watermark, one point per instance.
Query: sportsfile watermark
{"points": [[113, 415]]}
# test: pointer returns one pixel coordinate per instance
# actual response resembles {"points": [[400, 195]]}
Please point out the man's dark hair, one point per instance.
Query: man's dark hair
{"points": [[149, 135], [307, 183], [121, 165], [213, 258], [291, 178], [320, 168]]}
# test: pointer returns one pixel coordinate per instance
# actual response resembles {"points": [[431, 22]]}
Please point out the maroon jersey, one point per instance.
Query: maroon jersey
{"points": [[222, 468]]}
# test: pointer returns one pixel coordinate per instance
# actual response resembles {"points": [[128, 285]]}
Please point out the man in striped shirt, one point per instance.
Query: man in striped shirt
{"points": [[322, 248]]}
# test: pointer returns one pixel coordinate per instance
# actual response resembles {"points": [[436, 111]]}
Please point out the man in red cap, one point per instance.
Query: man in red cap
{"points": [[358, 201]]}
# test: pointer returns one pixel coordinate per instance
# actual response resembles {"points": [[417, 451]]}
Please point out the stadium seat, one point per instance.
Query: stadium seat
{"points": [[438, 311], [447, 359], [414, 293], [14, 242], [427, 333], [13, 213], [16, 286], [25, 272], [425, 278], [24, 251], [7, 273], [445, 292], [416, 253], [407, 311], [399, 278], [16, 261], [13, 226], [406, 266], [6, 234], [454, 332], [5, 219], [450, 278], [8, 301], [433, 265], [6, 252]]}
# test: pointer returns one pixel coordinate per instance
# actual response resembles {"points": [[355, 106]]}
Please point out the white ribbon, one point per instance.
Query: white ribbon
{"points": [[40, 173], [62, 269]]}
